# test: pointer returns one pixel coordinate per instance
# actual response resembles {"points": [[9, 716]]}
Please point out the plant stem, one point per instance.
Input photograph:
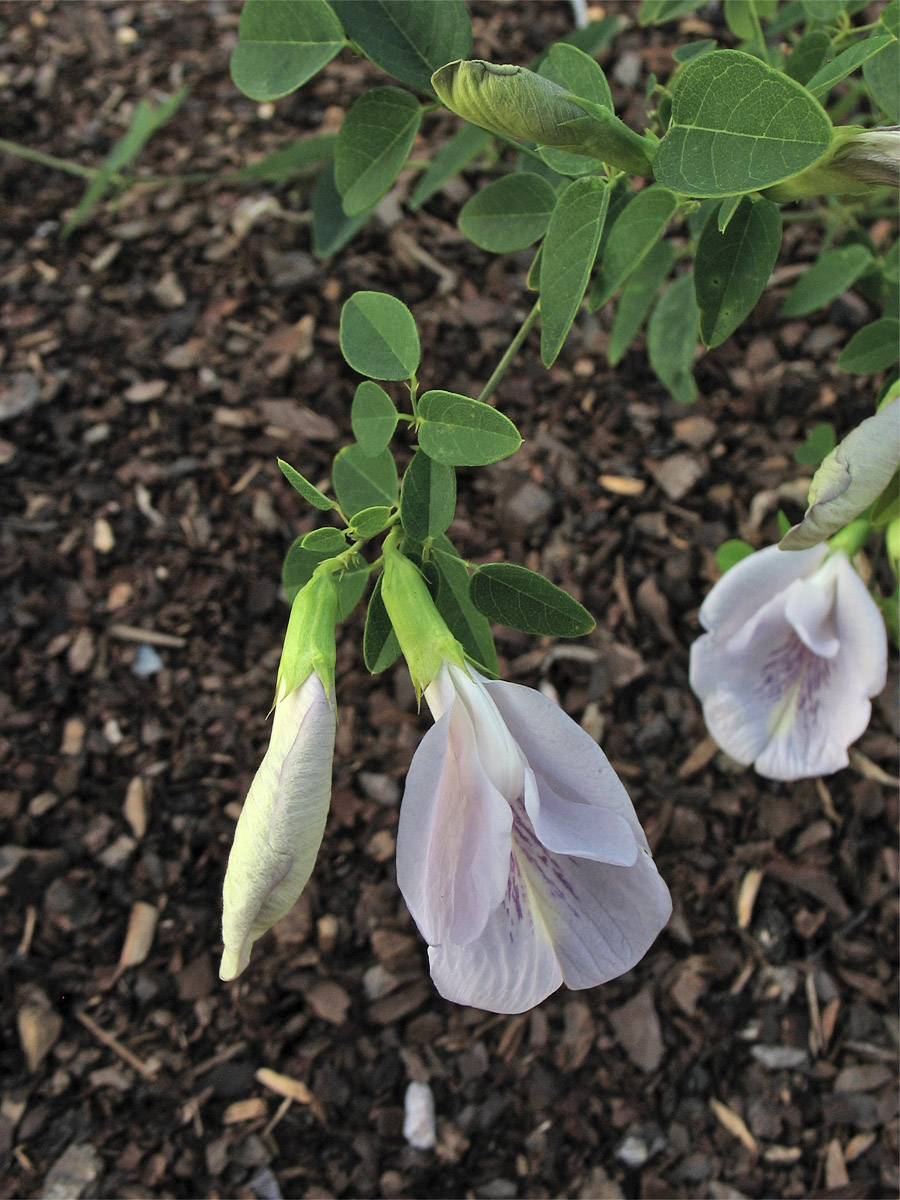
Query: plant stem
{"points": [[47, 160], [510, 352]]}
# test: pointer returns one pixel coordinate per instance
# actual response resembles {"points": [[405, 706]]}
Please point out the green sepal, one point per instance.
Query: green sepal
{"points": [[309, 642]]}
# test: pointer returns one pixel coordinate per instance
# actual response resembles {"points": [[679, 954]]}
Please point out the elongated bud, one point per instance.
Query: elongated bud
{"points": [[857, 161], [421, 631], [518, 103], [309, 641]]}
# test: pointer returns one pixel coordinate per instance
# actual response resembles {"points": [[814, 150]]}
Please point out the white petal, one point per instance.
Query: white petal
{"points": [[281, 824], [810, 610], [748, 585], [581, 806], [453, 840], [497, 747]]}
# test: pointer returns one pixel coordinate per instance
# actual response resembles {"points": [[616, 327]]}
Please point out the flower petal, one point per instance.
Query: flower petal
{"points": [[749, 584], [453, 839], [281, 824], [809, 609]]}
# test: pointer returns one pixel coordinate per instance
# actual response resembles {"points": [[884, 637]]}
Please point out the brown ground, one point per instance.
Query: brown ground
{"points": [[158, 363]]}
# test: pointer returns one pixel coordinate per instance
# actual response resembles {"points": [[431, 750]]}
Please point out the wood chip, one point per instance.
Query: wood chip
{"points": [[622, 485], [139, 935], [747, 894], [39, 1028], [782, 1155], [835, 1168], [871, 770], [735, 1125], [134, 808], [698, 758], [148, 1070], [131, 633], [245, 1110], [284, 1085]]}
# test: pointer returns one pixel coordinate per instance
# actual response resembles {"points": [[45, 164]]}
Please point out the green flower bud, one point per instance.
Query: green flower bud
{"points": [[857, 161]]}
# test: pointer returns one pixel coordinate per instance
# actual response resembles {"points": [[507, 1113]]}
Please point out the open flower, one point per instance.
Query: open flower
{"points": [[281, 825], [519, 852], [795, 649]]}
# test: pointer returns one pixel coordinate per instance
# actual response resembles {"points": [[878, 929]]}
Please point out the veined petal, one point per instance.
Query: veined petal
{"points": [[751, 583], [453, 839], [497, 749], [281, 824], [810, 611]]}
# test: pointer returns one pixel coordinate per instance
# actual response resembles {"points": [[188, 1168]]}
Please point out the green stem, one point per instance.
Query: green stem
{"points": [[47, 160], [510, 353]]}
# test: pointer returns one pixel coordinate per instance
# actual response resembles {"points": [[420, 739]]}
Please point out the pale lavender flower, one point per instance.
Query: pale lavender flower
{"points": [[795, 649], [519, 852]]}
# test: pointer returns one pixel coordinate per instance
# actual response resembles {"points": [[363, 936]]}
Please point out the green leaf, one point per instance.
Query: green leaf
{"points": [[568, 256], [408, 39], [373, 417], [727, 209], [298, 568], [808, 55], [470, 627], [380, 646], [881, 71], [657, 12], [379, 336], [690, 50], [370, 521], [524, 600], [783, 522], [847, 62], [373, 143], [832, 273], [731, 269], [820, 441], [295, 159], [307, 490], [461, 432], [634, 232], [823, 10], [577, 72], [427, 497], [873, 348], [361, 481], [509, 214], [327, 541], [594, 36], [730, 553], [887, 507], [672, 338], [465, 145], [281, 44], [145, 121], [331, 229], [738, 126], [637, 297]]}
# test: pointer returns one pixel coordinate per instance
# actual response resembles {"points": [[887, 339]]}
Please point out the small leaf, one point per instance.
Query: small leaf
{"points": [[730, 553], [380, 646], [727, 209], [524, 600], [731, 269], [331, 229], [295, 159], [881, 74], [470, 627], [373, 417], [847, 62], [684, 54], [465, 146], [873, 348], [820, 441], [379, 336], [427, 497], [657, 12], [637, 297], [509, 214], [808, 55], [738, 126], [408, 39], [370, 521], [373, 143], [362, 482], [635, 230], [577, 72], [461, 432], [307, 490], [327, 541], [568, 254], [832, 273], [281, 44], [672, 338], [298, 568]]}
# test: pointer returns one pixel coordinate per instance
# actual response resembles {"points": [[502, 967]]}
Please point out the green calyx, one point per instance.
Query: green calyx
{"points": [[424, 638], [852, 537], [857, 161], [309, 641]]}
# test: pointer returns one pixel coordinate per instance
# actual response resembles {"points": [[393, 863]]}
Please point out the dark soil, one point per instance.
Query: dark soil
{"points": [[152, 369]]}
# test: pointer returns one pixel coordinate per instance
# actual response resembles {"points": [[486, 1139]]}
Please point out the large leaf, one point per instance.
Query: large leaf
{"points": [[470, 627], [637, 298], [635, 230], [567, 258], [331, 228], [672, 338], [522, 599], [465, 145], [461, 432], [738, 126], [373, 417], [373, 143], [509, 214], [731, 269], [832, 273], [282, 43], [408, 39], [427, 497], [379, 336], [363, 481]]}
